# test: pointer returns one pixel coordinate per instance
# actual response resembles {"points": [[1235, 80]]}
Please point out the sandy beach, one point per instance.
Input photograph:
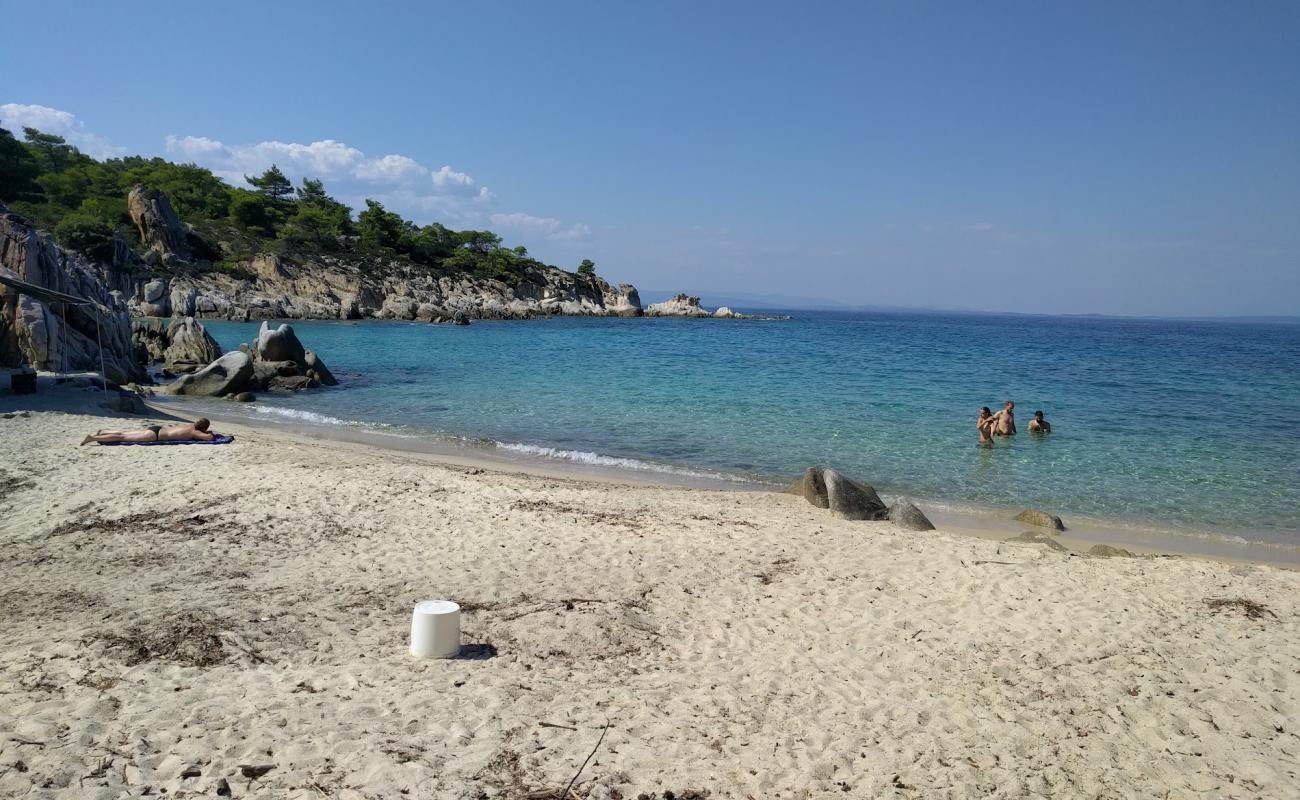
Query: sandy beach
{"points": [[232, 621]]}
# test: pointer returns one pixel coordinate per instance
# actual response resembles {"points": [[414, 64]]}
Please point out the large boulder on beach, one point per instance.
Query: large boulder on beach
{"points": [[851, 499], [189, 346], [908, 517], [279, 344], [1040, 519], [811, 487], [845, 497], [230, 374]]}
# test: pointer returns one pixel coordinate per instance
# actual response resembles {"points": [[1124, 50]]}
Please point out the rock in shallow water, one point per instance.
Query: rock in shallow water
{"points": [[1041, 519], [280, 344], [232, 373], [189, 346]]}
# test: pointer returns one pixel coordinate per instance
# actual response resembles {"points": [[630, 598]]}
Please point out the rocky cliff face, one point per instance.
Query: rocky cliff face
{"points": [[159, 227], [337, 289], [59, 337]]}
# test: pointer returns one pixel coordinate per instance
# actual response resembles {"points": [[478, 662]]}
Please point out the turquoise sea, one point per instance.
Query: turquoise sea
{"points": [[1192, 425]]}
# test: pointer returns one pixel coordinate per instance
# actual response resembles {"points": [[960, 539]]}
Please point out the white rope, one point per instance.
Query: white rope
{"points": [[103, 374]]}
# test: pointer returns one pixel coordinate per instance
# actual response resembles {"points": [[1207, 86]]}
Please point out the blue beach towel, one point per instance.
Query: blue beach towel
{"points": [[218, 438]]}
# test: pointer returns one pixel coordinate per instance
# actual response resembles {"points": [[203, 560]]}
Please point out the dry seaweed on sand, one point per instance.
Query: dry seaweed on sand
{"points": [[1250, 608], [190, 639]]}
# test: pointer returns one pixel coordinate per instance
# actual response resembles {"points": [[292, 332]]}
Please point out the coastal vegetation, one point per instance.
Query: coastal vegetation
{"points": [[83, 202]]}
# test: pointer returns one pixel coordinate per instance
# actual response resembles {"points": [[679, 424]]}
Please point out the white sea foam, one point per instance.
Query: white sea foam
{"points": [[599, 460], [302, 415]]}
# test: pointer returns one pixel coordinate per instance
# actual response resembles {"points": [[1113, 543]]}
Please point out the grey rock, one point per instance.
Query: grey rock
{"points": [[56, 336], [292, 383], [682, 305], [1106, 551], [155, 291], [230, 374], [811, 487], [280, 344], [908, 517], [1041, 519], [317, 368], [159, 227], [243, 397], [189, 346], [851, 499]]}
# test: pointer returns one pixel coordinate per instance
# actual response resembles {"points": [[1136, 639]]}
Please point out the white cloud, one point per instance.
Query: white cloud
{"points": [[526, 223], [448, 178], [549, 227], [325, 159], [16, 116], [577, 232], [390, 168]]}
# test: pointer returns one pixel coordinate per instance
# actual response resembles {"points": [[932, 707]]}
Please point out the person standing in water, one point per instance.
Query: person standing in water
{"points": [[1038, 424], [985, 426], [1005, 420]]}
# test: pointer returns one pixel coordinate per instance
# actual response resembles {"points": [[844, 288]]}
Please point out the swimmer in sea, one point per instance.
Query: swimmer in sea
{"points": [[985, 425], [1005, 420]]}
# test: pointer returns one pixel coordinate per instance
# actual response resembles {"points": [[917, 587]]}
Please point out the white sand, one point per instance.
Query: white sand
{"points": [[743, 643]]}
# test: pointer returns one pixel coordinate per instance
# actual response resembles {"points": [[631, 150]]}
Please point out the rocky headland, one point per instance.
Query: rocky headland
{"points": [[60, 336]]}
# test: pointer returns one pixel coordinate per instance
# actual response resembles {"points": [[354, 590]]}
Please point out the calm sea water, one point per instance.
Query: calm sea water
{"points": [[1193, 424]]}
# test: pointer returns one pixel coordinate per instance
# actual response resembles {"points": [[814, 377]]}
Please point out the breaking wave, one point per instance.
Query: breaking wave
{"points": [[599, 460]]}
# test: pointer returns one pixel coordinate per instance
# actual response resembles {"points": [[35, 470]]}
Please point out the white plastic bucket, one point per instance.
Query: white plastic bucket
{"points": [[435, 629]]}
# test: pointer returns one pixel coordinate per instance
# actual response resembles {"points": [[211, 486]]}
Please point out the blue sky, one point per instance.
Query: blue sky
{"points": [[1103, 157]]}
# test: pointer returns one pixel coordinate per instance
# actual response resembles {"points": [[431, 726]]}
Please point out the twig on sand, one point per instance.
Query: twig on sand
{"points": [[555, 725], [565, 794], [1009, 563]]}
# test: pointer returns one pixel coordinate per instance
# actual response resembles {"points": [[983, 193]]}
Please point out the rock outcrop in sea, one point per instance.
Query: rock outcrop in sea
{"points": [[682, 305], [59, 336], [277, 360], [688, 305]]}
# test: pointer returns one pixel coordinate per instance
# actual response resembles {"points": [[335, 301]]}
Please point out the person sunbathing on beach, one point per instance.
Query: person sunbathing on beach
{"points": [[1005, 420], [1038, 424], [985, 425], [194, 431]]}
